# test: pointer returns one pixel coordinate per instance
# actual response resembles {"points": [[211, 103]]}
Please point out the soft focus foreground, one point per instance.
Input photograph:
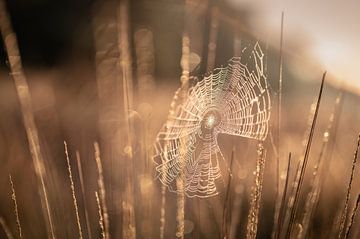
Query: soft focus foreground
{"points": [[83, 166]]}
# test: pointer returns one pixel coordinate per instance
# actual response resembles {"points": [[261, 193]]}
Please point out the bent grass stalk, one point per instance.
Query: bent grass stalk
{"points": [[16, 211], [72, 186], [23, 92]]}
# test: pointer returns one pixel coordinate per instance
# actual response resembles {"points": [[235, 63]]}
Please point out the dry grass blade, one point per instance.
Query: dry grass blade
{"points": [[22, 88], [73, 194], [253, 217], [13, 197], [352, 218], [6, 228], [102, 191], [346, 204], [306, 156]]}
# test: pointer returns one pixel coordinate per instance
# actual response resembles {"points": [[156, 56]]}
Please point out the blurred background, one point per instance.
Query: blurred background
{"points": [[82, 59]]}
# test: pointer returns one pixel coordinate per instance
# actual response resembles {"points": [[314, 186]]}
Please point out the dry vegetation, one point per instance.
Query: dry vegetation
{"points": [[301, 182]]}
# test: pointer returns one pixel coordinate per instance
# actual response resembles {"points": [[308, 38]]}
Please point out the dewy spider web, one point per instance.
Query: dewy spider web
{"points": [[233, 100]]}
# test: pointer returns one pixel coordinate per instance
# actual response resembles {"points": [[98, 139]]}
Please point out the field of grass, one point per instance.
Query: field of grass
{"points": [[77, 140]]}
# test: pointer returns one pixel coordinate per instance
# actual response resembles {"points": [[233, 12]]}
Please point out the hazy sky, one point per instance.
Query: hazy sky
{"points": [[331, 27]]}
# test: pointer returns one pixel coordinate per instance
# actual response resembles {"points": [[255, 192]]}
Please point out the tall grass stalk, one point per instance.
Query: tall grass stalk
{"points": [[213, 36], [16, 211], [73, 194], [113, 105], [23, 92], [303, 167], [279, 111], [236, 210], [346, 204], [329, 156], [145, 64], [6, 228], [81, 177], [164, 173], [352, 217], [226, 220], [180, 181], [102, 191], [125, 68], [100, 212], [125, 61], [163, 211], [283, 200], [256, 191], [296, 179], [319, 169]]}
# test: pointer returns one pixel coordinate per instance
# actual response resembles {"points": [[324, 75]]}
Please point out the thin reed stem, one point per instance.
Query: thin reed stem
{"points": [[306, 157], [283, 200], [253, 217], [125, 67], [352, 218], [279, 111], [180, 181], [101, 220], [102, 191], [162, 211], [6, 228], [225, 232], [299, 163], [16, 211], [346, 204], [82, 185], [73, 194], [213, 35], [320, 169]]}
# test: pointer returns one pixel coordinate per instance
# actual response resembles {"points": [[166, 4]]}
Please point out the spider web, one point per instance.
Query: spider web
{"points": [[233, 100]]}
